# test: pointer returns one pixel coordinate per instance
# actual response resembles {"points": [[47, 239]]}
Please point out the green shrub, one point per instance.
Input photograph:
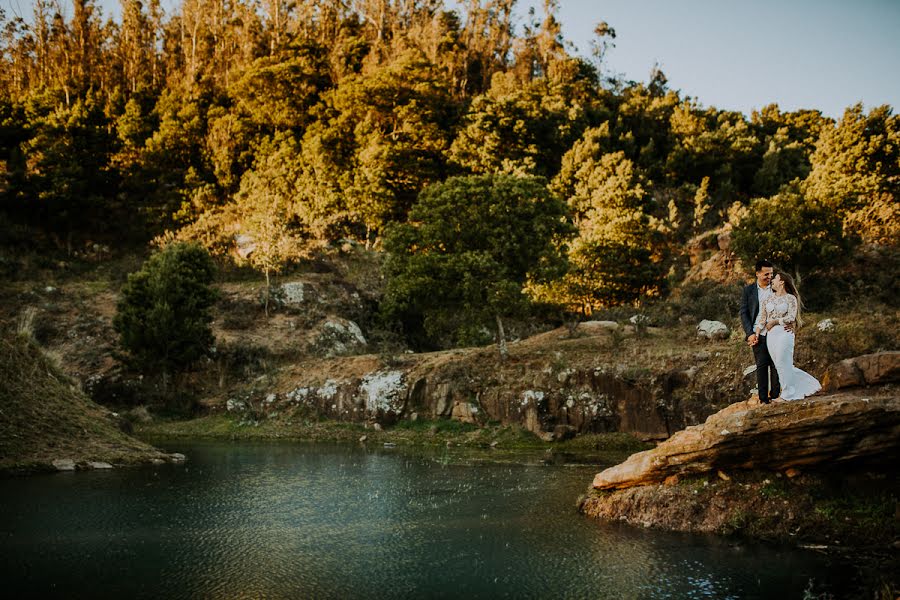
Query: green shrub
{"points": [[163, 317]]}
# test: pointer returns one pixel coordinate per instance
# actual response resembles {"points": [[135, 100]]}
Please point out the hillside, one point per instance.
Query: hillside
{"points": [[321, 339], [46, 418]]}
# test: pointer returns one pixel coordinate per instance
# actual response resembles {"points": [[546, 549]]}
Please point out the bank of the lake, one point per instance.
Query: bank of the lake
{"points": [[47, 423], [439, 433]]}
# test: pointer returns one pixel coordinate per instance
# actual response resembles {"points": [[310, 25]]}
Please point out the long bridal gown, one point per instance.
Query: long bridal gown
{"points": [[795, 383]]}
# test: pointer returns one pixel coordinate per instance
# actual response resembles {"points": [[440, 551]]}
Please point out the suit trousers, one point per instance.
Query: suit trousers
{"points": [[765, 368]]}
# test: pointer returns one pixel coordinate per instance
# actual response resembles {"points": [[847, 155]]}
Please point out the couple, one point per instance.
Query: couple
{"points": [[770, 311]]}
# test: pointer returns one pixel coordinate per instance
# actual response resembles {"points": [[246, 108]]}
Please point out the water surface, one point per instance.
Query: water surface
{"points": [[298, 521]]}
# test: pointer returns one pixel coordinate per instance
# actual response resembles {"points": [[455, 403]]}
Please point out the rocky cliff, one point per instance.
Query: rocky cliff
{"points": [[844, 428], [554, 385]]}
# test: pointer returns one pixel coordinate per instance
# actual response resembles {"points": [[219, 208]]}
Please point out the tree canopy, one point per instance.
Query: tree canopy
{"points": [[471, 244], [332, 118]]}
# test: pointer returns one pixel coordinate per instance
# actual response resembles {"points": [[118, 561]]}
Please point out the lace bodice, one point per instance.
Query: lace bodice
{"points": [[778, 308]]}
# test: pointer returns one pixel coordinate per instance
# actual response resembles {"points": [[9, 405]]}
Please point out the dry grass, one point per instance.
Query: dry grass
{"points": [[44, 416]]}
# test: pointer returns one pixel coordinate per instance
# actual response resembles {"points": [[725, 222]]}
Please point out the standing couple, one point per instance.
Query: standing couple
{"points": [[770, 311]]}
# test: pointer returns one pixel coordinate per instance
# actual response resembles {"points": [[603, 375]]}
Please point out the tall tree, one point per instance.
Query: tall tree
{"points": [[856, 172], [478, 240], [163, 317]]}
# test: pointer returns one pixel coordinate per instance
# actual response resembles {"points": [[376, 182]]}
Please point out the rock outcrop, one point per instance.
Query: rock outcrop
{"points": [[869, 369], [828, 430], [551, 403]]}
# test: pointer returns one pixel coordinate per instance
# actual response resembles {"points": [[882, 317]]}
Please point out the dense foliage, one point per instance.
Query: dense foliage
{"points": [[471, 244], [164, 314], [294, 124]]}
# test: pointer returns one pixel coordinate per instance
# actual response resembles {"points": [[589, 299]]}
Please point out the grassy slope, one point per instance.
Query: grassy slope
{"points": [[44, 416]]}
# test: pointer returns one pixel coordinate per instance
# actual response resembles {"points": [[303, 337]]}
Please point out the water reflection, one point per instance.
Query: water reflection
{"points": [[270, 520]]}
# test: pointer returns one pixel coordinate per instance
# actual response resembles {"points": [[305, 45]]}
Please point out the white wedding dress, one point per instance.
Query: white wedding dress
{"points": [[795, 383]]}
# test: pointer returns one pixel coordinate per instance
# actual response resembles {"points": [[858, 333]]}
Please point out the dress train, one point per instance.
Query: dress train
{"points": [[796, 384]]}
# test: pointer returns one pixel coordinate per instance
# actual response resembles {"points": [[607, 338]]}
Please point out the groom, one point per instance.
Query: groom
{"points": [[751, 300]]}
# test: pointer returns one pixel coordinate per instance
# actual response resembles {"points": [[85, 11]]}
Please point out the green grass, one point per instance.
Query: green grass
{"points": [[423, 433]]}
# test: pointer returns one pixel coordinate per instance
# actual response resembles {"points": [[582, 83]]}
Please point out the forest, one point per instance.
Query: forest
{"points": [[481, 155]]}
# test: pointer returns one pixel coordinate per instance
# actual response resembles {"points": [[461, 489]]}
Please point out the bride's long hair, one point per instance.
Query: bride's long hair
{"points": [[791, 288]]}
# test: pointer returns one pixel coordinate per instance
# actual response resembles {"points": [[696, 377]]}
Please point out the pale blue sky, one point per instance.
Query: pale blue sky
{"points": [[739, 55]]}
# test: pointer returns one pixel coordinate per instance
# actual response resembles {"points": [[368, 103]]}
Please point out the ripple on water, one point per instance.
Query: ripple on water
{"points": [[249, 521]]}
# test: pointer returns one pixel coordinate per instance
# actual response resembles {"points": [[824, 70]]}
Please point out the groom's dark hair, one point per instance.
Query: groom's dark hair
{"points": [[763, 263]]}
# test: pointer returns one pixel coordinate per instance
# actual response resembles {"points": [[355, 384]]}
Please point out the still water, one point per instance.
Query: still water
{"points": [[321, 521]]}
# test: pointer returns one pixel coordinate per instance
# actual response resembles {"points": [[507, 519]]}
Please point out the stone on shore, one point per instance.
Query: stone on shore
{"points": [[64, 464]]}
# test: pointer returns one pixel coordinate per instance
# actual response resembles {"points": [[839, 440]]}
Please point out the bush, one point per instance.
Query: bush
{"points": [[163, 317], [799, 235]]}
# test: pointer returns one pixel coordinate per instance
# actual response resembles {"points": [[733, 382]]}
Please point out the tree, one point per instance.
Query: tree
{"points": [[68, 165], [163, 316], [606, 273], [525, 129], [385, 134], [856, 172], [279, 91], [469, 248], [798, 234], [265, 209], [616, 258]]}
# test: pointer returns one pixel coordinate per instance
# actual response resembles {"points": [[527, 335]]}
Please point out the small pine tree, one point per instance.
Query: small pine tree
{"points": [[163, 316]]}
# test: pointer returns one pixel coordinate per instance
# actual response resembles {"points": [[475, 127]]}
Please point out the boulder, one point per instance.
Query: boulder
{"points": [[827, 431], [99, 465], [880, 367], [245, 245], [337, 337], [840, 375], [825, 325], [464, 412], [563, 432], [714, 330], [232, 405], [293, 293], [869, 369], [139, 414]]}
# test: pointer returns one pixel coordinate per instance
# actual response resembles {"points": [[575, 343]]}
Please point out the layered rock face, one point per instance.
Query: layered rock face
{"points": [[571, 401], [869, 369], [829, 430]]}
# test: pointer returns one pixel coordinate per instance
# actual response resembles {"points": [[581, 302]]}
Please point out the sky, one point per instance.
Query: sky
{"points": [[735, 54]]}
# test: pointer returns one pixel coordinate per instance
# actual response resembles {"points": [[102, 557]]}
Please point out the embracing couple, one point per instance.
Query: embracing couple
{"points": [[770, 312]]}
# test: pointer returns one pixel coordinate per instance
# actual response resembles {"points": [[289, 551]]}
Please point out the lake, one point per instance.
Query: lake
{"points": [[255, 520]]}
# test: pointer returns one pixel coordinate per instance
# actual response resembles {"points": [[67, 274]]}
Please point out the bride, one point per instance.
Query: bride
{"points": [[783, 306]]}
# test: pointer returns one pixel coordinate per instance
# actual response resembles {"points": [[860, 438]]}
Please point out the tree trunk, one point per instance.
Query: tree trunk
{"points": [[501, 339], [268, 288]]}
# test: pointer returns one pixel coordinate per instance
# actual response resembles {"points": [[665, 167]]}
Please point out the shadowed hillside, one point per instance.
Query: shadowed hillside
{"points": [[45, 417]]}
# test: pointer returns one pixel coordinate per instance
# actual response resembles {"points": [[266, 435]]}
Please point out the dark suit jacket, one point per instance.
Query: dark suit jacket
{"points": [[749, 308]]}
